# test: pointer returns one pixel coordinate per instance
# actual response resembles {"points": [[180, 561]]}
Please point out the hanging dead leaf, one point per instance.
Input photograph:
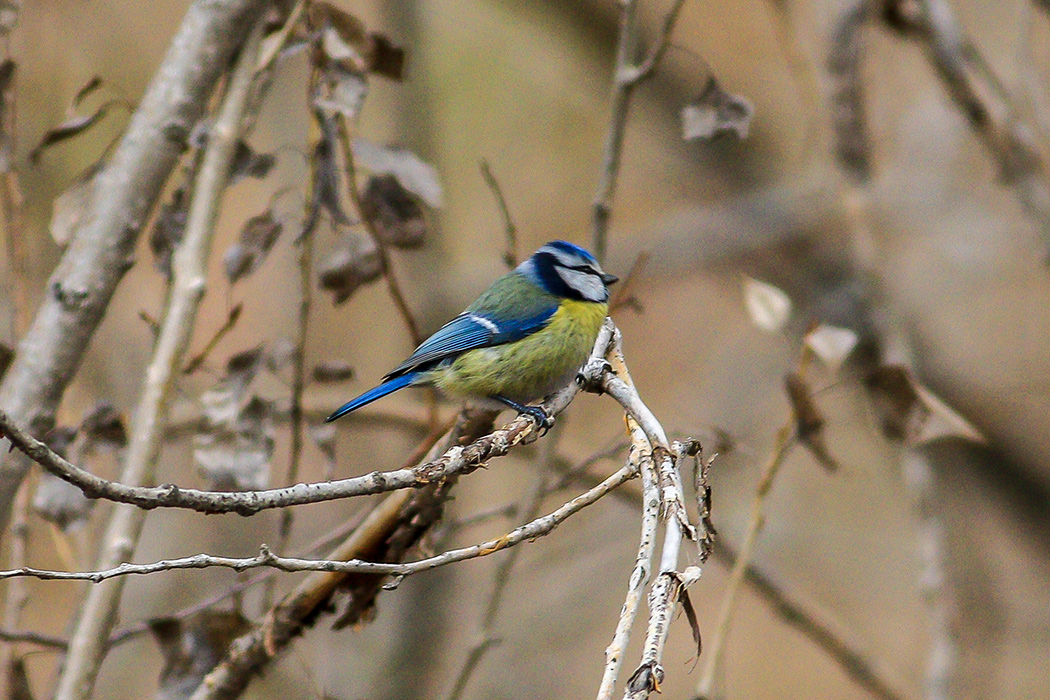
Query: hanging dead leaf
{"points": [[257, 238], [347, 42], [415, 175], [332, 371], [831, 344], [103, 427], [344, 93], [7, 75], [325, 176], [394, 212], [715, 112], [58, 501], [809, 423], [910, 412], [191, 648], [248, 163], [71, 127], [768, 306], [168, 230], [237, 455], [280, 355], [356, 263]]}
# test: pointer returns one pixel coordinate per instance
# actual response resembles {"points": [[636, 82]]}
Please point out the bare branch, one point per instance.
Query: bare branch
{"points": [[626, 76], [125, 190], [531, 530], [189, 266], [510, 255]]}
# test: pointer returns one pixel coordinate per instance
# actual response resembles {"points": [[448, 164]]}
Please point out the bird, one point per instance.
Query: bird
{"points": [[524, 337]]}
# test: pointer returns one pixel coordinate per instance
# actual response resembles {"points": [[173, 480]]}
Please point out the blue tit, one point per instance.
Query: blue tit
{"points": [[527, 335]]}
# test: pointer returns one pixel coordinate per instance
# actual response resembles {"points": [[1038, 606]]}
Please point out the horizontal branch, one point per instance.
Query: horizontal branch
{"points": [[531, 530]]}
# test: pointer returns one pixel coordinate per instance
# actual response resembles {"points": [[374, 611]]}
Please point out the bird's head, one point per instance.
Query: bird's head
{"points": [[567, 270]]}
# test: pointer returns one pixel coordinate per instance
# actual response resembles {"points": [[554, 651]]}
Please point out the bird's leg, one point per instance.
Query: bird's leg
{"points": [[544, 421]]}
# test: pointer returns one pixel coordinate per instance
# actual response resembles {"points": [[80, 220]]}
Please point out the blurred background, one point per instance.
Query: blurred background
{"points": [[933, 260]]}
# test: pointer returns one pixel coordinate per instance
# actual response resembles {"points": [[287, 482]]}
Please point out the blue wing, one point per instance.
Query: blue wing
{"points": [[469, 330]]}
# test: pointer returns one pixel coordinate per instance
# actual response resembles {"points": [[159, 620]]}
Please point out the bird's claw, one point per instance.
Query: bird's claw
{"points": [[544, 420]]}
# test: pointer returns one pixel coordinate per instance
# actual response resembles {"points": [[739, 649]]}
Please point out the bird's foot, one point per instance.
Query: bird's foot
{"points": [[544, 420]]}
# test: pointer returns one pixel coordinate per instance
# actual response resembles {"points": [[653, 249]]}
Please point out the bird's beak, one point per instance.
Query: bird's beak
{"points": [[609, 279]]}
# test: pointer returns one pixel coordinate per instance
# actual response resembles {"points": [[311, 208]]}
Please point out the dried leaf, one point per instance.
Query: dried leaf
{"points": [[394, 212], [414, 174], [349, 267], [68, 209], [58, 501], [236, 455], [192, 648], [103, 427], [248, 163], [809, 423], [344, 94], [714, 112], [168, 230], [68, 129], [282, 350], [7, 355], [332, 371], [831, 344], [910, 412], [347, 43], [61, 503], [325, 174], [895, 401], [222, 404], [768, 306], [257, 238], [323, 436]]}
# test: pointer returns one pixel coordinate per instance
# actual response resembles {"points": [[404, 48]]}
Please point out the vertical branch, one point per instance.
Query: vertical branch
{"points": [[392, 283], [125, 190], [295, 419], [626, 76], [189, 268]]}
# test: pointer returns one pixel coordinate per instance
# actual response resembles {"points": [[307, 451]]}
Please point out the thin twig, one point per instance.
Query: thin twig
{"points": [[201, 357], [189, 267], [626, 76], [510, 230], [531, 530]]}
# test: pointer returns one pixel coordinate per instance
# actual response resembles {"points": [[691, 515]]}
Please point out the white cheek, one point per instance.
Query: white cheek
{"points": [[589, 286]]}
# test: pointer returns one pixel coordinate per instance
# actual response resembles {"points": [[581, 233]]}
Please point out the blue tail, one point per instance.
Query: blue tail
{"points": [[387, 387]]}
